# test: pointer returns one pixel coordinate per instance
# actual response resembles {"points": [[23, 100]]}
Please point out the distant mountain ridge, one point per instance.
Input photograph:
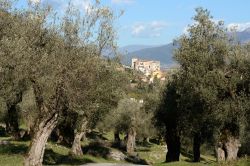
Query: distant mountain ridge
{"points": [[133, 48], [161, 53], [243, 36], [164, 53]]}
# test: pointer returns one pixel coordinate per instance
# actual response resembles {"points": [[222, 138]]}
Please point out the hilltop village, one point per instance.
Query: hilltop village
{"points": [[151, 70]]}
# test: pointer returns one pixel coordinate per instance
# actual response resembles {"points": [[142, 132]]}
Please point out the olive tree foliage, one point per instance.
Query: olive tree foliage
{"points": [[205, 99], [201, 56], [244, 62], [11, 84], [130, 118], [100, 88], [46, 57]]}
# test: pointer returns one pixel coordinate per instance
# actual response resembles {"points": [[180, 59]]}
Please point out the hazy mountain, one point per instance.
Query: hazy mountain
{"points": [[161, 53], [244, 36], [164, 53], [133, 48]]}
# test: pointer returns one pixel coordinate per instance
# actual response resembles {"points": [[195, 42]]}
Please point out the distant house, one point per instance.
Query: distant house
{"points": [[145, 66]]}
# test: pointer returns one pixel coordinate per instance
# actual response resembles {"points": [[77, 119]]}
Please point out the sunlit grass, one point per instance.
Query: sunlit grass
{"points": [[12, 154]]}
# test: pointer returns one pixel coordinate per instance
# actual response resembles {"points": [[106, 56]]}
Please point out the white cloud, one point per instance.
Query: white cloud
{"points": [[122, 1], [82, 4], [35, 1], [85, 5], [238, 26], [150, 29], [138, 29], [158, 25]]}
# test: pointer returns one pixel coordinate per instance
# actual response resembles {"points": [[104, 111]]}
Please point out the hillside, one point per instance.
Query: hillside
{"points": [[133, 48], [161, 53], [243, 36], [164, 53]]}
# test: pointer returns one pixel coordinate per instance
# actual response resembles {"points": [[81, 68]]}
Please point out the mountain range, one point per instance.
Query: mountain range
{"points": [[164, 53]]}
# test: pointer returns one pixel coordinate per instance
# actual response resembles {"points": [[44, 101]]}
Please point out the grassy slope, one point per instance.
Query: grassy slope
{"points": [[12, 155]]}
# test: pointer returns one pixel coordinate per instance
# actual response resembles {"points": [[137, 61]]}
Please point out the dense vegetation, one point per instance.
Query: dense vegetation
{"points": [[55, 82], [208, 99]]}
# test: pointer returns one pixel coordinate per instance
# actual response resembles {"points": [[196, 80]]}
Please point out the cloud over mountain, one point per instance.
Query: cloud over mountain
{"points": [[148, 29]]}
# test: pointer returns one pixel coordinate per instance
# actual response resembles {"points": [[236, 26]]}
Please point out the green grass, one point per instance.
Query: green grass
{"points": [[241, 162], [13, 155], [155, 155]]}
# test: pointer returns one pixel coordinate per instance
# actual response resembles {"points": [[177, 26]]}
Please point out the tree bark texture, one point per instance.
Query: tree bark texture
{"points": [[39, 140], [45, 123], [131, 141], [220, 153], [232, 147], [229, 144], [76, 149]]}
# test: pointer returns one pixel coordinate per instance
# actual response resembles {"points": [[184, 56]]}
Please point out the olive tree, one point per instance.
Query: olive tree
{"points": [[45, 57], [130, 118], [99, 88], [206, 92]]}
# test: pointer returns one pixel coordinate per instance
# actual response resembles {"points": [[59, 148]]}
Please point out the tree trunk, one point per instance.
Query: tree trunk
{"points": [[76, 149], [39, 140], [131, 141], [196, 147], [174, 146], [232, 147], [45, 123], [220, 153], [12, 125], [146, 140], [117, 139]]}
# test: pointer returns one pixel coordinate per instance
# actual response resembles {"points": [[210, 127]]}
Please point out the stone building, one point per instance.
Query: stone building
{"points": [[145, 66]]}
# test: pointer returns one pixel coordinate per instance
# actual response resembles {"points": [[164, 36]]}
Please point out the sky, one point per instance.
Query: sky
{"points": [[158, 22]]}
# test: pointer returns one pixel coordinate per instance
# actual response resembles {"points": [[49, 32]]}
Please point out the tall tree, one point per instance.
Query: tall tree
{"points": [[207, 90], [46, 57]]}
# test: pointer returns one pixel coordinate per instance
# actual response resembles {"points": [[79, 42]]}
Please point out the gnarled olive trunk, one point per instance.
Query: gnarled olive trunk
{"points": [[76, 149], [232, 147], [173, 145], [131, 141], [220, 152], [196, 147], [39, 140], [45, 123]]}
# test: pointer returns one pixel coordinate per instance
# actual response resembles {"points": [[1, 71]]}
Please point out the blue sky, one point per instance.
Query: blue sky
{"points": [[157, 22]]}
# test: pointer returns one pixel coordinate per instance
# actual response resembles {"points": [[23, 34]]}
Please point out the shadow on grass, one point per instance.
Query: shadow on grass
{"points": [[144, 144], [97, 149], [95, 136], [52, 158], [2, 132], [189, 157], [13, 149], [136, 160], [142, 149]]}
